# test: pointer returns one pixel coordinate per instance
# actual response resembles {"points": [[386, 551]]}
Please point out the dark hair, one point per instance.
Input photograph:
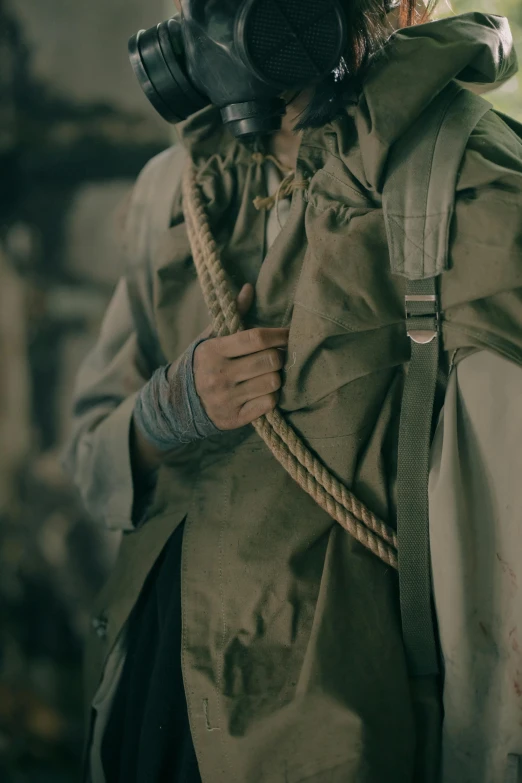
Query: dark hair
{"points": [[368, 30]]}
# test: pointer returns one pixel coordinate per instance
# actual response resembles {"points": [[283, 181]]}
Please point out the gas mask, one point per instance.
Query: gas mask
{"points": [[239, 55]]}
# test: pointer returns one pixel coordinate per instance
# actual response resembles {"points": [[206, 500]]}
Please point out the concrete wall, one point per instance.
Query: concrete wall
{"points": [[80, 46]]}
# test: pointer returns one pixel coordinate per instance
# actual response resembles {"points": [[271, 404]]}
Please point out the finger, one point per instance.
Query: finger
{"points": [[257, 387], [253, 409], [251, 341], [245, 299], [246, 367]]}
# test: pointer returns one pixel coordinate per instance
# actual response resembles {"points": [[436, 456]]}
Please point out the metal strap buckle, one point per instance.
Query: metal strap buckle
{"points": [[423, 336]]}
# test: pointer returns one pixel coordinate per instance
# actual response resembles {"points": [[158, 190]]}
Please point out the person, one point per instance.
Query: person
{"points": [[243, 634]]}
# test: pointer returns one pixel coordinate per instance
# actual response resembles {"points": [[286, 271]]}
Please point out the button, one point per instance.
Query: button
{"points": [[100, 625]]}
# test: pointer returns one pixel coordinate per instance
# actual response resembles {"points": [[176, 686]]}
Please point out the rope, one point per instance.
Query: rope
{"points": [[282, 440]]}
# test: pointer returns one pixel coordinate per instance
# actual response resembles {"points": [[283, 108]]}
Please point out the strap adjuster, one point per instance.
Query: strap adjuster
{"points": [[422, 317]]}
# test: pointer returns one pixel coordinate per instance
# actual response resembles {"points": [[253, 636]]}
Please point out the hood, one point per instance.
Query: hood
{"points": [[414, 66]]}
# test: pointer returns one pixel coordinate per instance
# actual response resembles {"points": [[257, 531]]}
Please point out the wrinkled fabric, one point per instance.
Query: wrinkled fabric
{"points": [[292, 654], [121, 362], [119, 744], [476, 541], [168, 411], [110, 378]]}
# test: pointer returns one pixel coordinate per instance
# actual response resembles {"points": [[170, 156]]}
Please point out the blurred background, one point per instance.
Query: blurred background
{"points": [[74, 132]]}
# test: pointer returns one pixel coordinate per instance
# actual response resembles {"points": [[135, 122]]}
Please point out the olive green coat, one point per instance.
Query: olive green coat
{"points": [[292, 654]]}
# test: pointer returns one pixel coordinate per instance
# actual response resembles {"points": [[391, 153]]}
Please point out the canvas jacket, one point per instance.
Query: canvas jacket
{"points": [[292, 654]]}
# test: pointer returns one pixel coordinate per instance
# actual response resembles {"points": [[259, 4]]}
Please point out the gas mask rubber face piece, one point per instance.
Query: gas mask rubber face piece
{"points": [[239, 55]]}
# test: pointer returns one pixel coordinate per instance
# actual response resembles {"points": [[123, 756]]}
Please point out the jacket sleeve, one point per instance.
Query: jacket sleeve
{"points": [[481, 293], [125, 356], [98, 456], [476, 541], [476, 464]]}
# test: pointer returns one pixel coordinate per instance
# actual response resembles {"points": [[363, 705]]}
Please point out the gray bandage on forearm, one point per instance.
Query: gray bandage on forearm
{"points": [[169, 413]]}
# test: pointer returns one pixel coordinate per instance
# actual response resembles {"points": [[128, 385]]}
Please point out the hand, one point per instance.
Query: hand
{"points": [[238, 377]]}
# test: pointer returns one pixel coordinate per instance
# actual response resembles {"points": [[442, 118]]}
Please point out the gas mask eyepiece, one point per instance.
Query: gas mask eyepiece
{"points": [[239, 55]]}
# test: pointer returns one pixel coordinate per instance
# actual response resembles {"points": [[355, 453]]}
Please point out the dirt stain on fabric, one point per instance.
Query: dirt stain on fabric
{"points": [[509, 571]]}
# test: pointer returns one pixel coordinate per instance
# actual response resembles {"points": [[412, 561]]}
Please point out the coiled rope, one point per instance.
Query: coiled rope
{"points": [[282, 440]]}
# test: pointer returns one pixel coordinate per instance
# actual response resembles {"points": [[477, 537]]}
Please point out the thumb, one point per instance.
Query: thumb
{"points": [[245, 299]]}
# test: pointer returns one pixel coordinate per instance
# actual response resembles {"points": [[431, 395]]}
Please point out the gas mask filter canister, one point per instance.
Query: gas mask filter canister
{"points": [[239, 55]]}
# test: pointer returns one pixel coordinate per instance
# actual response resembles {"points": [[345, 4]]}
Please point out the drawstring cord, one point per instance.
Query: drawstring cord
{"points": [[286, 187]]}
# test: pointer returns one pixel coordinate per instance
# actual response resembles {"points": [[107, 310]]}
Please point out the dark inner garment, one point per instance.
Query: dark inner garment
{"points": [[148, 738]]}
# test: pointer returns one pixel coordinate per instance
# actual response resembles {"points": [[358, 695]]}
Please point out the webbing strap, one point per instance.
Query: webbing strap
{"points": [[412, 478], [418, 205], [421, 179]]}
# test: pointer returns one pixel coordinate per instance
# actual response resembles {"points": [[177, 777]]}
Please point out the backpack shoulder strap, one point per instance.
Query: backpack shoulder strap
{"points": [[418, 206], [421, 180], [148, 217]]}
